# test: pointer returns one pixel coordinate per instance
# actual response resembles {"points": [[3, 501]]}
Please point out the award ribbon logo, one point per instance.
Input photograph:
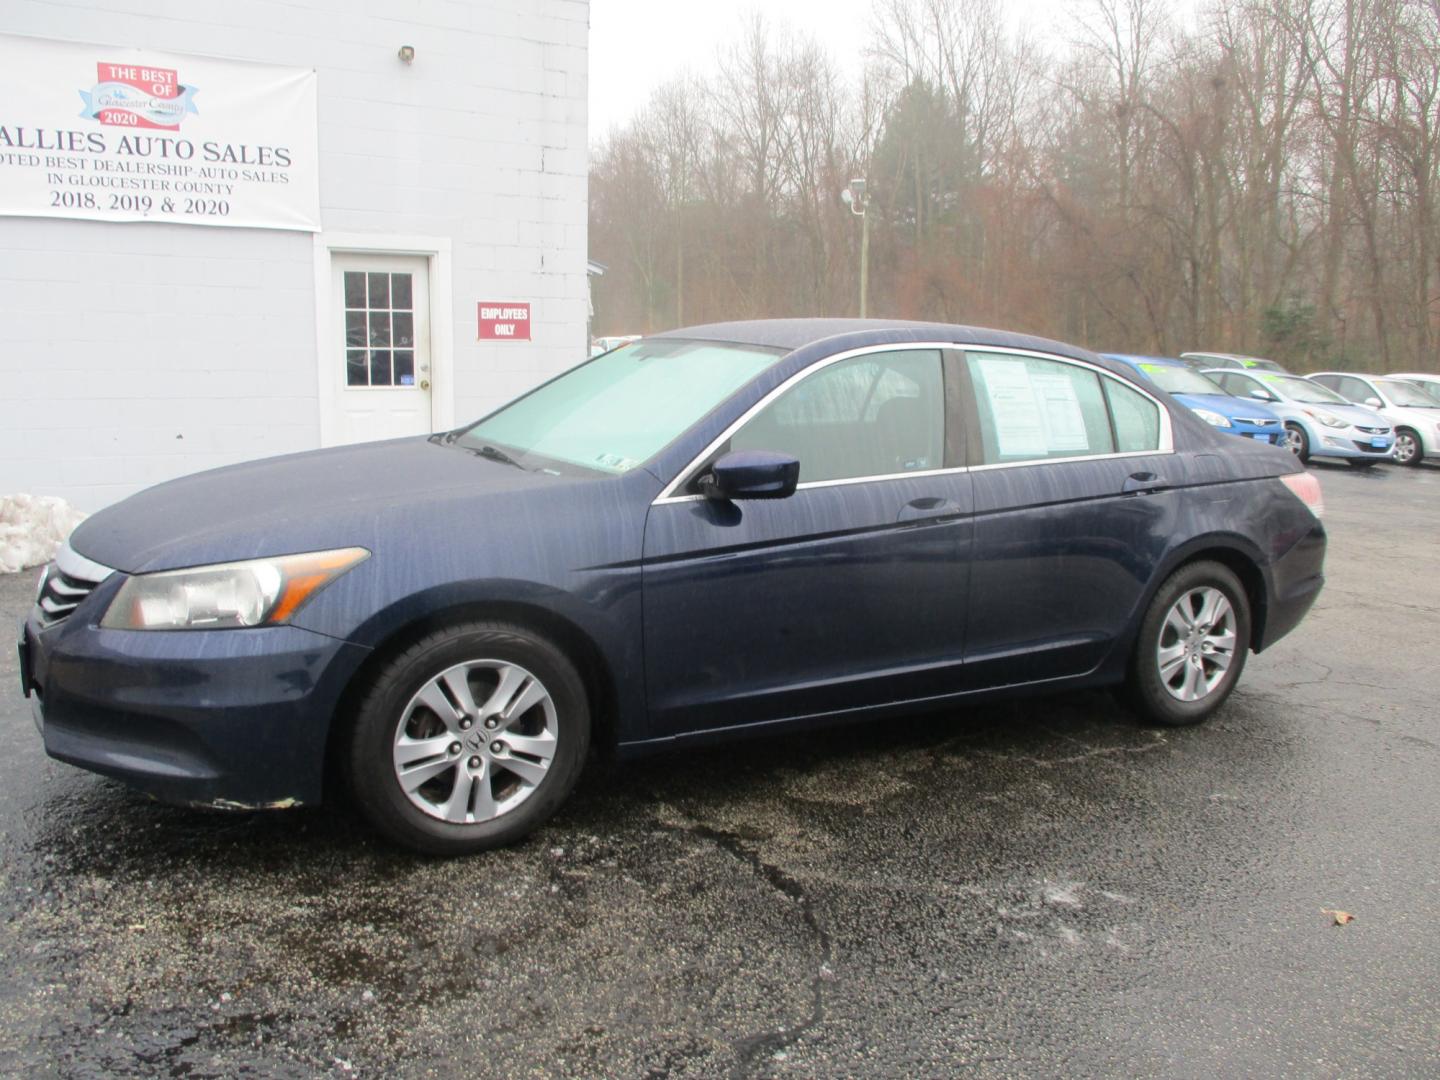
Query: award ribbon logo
{"points": [[133, 95]]}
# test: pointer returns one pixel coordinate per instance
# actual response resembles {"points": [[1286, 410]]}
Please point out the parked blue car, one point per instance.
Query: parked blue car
{"points": [[1207, 399], [720, 531]]}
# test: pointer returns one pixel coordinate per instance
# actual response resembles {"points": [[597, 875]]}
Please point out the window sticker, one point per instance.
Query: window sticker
{"points": [[1019, 430], [1060, 410]]}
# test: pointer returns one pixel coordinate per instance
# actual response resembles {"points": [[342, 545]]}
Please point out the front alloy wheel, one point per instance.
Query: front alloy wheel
{"points": [[1192, 645], [475, 741], [1295, 441], [468, 739], [1407, 447]]}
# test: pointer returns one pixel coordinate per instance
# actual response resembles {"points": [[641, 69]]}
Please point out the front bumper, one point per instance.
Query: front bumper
{"points": [[230, 718], [1352, 443], [1269, 433]]}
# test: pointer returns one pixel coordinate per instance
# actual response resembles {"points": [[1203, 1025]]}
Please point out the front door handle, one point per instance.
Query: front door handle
{"points": [[1142, 482], [928, 509]]}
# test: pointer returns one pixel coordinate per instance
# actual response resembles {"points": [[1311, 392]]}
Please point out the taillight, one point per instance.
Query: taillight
{"points": [[1306, 488]]}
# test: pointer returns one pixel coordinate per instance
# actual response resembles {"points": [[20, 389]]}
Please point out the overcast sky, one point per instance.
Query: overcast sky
{"points": [[635, 45]]}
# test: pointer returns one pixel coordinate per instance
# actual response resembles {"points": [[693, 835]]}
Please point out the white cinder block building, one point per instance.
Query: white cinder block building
{"points": [[236, 229]]}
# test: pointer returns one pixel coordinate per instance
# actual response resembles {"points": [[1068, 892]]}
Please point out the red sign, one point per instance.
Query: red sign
{"points": [[135, 95], [504, 321]]}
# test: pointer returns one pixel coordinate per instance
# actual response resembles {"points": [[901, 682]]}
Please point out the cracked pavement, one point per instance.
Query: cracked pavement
{"points": [[1025, 889]]}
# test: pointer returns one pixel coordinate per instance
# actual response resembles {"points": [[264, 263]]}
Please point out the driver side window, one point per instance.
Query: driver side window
{"points": [[872, 415]]}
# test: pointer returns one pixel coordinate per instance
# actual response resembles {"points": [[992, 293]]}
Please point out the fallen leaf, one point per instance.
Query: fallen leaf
{"points": [[1341, 917]]}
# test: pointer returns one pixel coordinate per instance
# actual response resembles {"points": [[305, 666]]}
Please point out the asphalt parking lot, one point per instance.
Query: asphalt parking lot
{"points": [[1029, 889]]}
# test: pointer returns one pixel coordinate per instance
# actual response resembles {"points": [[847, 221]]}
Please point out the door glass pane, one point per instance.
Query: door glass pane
{"points": [[355, 332], [404, 364], [379, 290], [873, 415], [379, 367], [354, 289], [400, 292], [1137, 418], [404, 324], [379, 328], [1031, 409], [357, 368]]}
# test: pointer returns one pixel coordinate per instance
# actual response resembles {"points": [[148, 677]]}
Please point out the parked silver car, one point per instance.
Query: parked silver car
{"points": [[1414, 413], [1318, 421]]}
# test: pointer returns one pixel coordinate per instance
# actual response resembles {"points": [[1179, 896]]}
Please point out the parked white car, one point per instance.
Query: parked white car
{"points": [[1426, 380], [1415, 414]]}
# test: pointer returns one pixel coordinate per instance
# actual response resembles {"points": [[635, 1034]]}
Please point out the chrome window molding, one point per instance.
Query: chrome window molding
{"points": [[1166, 442]]}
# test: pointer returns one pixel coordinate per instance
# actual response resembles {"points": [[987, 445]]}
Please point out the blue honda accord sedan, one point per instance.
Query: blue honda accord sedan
{"points": [[724, 530]]}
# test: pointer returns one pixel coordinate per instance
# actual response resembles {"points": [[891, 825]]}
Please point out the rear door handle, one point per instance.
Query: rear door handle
{"points": [[1142, 482], [917, 511]]}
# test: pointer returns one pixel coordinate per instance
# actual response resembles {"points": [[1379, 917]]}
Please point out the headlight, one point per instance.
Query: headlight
{"points": [[260, 592], [1328, 419], [1214, 419]]}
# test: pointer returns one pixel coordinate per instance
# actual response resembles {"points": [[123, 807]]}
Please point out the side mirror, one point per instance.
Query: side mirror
{"points": [[1262, 395], [751, 474], [1374, 403]]}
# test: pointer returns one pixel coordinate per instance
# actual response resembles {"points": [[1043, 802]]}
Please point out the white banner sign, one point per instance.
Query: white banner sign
{"points": [[118, 134]]}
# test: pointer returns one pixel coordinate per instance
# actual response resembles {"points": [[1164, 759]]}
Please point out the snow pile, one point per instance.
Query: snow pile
{"points": [[31, 528]]}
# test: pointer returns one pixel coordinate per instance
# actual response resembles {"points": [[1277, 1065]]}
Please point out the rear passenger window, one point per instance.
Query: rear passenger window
{"points": [[1137, 418], [872, 415], [1034, 409]]}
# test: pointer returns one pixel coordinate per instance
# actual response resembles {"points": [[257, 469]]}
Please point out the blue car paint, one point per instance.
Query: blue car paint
{"points": [[1239, 411], [694, 620]]}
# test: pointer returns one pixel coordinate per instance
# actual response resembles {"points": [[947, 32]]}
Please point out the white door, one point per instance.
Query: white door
{"points": [[381, 334]]}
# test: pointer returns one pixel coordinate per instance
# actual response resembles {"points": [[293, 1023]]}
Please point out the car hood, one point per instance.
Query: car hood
{"points": [[1227, 406], [1355, 415], [339, 497]]}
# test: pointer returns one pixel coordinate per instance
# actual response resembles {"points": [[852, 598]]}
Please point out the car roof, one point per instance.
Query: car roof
{"points": [[1221, 356], [793, 334]]}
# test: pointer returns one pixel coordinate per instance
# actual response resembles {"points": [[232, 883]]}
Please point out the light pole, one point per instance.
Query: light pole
{"points": [[855, 198]]}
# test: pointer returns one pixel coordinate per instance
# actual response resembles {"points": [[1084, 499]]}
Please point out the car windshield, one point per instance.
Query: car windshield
{"points": [[1403, 393], [1303, 390], [1433, 389], [1175, 379], [617, 410]]}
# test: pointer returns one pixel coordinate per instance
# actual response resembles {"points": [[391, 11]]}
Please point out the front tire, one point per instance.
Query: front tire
{"points": [[468, 739], [1408, 448], [1296, 441], [1192, 645]]}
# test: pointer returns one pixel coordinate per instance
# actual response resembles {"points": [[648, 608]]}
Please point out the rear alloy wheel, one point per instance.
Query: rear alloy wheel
{"points": [[1408, 450], [469, 739], [1296, 441], [1192, 645]]}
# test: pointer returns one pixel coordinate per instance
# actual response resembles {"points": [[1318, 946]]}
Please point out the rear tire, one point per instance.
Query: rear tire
{"points": [[468, 739], [1192, 645]]}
